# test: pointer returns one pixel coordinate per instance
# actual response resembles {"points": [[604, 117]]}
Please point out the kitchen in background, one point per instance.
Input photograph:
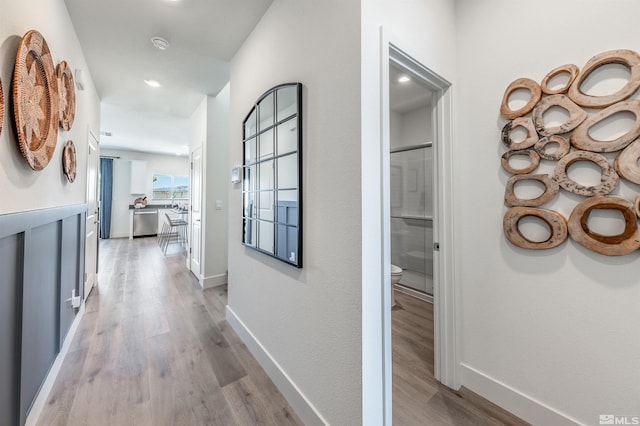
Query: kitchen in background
{"points": [[171, 184]]}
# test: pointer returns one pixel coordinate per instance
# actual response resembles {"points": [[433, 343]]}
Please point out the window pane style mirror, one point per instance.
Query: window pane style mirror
{"points": [[272, 174]]}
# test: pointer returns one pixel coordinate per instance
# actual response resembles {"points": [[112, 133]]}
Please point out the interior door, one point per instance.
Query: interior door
{"points": [[91, 243], [196, 212]]}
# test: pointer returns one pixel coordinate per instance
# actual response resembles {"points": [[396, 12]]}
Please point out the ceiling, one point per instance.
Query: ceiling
{"points": [[115, 36], [407, 95]]}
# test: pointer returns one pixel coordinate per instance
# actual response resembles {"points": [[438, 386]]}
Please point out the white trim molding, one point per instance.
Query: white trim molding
{"points": [[294, 396], [518, 403], [213, 281], [446, 311]]}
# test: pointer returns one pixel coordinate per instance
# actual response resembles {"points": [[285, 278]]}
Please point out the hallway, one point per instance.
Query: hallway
{"points": [[154, 349]]}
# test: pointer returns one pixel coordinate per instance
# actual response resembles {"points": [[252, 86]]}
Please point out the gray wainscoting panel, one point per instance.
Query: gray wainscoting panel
{"points": [[41, 263], [40, 308], [11, 248], [69, 272]]}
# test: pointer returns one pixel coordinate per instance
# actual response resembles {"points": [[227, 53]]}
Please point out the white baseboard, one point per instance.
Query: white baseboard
{"points": [[213, 281], [302, 406], [47, 385], [512, 400], [119, 235]]}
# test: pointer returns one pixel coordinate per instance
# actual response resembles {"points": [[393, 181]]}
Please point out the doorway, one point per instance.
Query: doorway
{"points": [[411, 187], [92, 224], [418, 192]]}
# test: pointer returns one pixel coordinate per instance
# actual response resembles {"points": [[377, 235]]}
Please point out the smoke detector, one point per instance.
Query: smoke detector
{"points": [[159, 42]]}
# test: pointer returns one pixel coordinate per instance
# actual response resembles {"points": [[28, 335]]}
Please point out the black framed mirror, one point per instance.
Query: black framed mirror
{"points": [[272, 174]]}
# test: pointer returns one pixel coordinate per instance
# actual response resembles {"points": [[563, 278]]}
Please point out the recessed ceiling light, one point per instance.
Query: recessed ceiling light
{"points": [[403, 79], [153, 83], [159, 42]]}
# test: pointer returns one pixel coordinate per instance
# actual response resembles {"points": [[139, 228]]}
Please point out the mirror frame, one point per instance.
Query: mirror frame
{"points": [[286, 228]]}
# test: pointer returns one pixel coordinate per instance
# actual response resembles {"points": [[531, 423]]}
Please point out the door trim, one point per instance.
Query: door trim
{"points": [[446, 362], [376, 280]]}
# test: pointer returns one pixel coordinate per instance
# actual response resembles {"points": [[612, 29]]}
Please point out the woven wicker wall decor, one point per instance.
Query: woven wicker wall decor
{"points": [[69, 160], [35, 100], [67, 87]]}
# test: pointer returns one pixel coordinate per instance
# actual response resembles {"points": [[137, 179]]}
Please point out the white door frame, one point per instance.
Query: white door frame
{"points": [[92, 219], [445, 335], [446, 312], [196, 208]]}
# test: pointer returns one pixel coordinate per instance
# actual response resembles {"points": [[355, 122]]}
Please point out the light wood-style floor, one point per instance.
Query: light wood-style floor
{"points": [[154, 349], [418, 399]]}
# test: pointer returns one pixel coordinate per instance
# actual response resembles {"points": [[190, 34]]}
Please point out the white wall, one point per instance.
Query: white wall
{"points": [[411, 128], [307, 319], [560, 326], [22, 188], [218, 177], [122, 198]]}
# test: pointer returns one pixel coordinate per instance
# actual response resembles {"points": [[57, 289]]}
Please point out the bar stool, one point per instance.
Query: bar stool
{"points": [[174, 230]]}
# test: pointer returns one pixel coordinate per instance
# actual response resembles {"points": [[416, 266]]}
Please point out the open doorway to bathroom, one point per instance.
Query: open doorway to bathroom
{"points": [[411, 186], [420, 239]]}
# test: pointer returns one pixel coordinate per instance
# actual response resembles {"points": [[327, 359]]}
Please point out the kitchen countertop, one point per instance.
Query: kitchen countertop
{"points": [[158, 207]]}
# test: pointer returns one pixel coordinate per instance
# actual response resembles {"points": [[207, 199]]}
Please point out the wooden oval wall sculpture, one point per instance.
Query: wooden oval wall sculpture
{"points": [[580, 137], [610, 245], [574, 143], [527, 124], [69, 161], [550, 191], [570, 69], [521, 83], [555, 221], [67, 87], [533, 157], [608, 180], [1, 107], [628, 58], [35, 100], [576, 115], [563, 147], [626, 163]]}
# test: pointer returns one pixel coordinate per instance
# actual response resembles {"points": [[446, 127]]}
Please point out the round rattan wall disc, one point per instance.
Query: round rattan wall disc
{"points": [[35, 100], [1, 106], [66, 85], [69, 160]]}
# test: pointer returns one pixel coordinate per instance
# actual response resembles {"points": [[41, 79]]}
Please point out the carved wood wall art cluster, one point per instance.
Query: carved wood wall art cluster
{"points": [[42, 99], [574, 144]]}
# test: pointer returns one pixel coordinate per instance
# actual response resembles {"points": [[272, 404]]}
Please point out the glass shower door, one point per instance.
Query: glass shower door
{"points": [[412, 216]]}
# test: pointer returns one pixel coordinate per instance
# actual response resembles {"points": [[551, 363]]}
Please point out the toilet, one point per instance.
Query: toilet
{"points": [[396, 276]]}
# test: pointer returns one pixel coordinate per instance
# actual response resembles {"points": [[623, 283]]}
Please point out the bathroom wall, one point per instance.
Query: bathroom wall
{"points": [[411, 127], [551, 335], [306, 323]]}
